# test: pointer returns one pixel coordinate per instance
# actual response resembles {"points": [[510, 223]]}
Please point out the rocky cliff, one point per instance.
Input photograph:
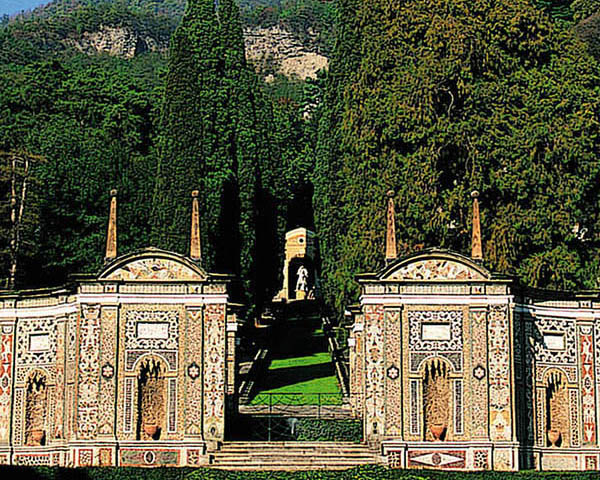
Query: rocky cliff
{"points": [[273, 50], [118, 41], [276, 50]]}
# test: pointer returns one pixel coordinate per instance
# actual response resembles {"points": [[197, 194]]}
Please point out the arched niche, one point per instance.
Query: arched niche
{"points": [[557, 428], [36, 408], [151, 401], [436, 400]]}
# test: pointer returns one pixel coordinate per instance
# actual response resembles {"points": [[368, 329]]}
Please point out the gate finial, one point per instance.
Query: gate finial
{"points": [[195, 248], [111, 236], [476, 250], [391, 252]]}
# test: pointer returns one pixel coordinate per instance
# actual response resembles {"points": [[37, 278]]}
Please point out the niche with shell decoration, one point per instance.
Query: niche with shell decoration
{"points": [[437, 400], [151, 398], [557, 410], [36, 402]]}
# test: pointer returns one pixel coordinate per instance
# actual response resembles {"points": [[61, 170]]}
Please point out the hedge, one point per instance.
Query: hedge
{"points": [[310, 429], [366, 472]]}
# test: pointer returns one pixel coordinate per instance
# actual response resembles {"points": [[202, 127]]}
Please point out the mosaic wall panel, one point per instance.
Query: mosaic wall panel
{"points": [[172, 420], [588, 384], [214, 372], [416, 319], [529, 366], [393, 362], [19, 407], [150, 457], [415, 402], [108, 381], [436, 269], [159, 315], [574, 411], [591, 462], [88, 372], [540, 418], [194, 382], [546, 355], [154, 269], [70, 376], [6, 346], [417, 359], [106, 459], [481, 460], [502, 459], [194, 457], [458, 407], [597, 334], [30, 329], [374, 369], [446, 459], [60, 382], [85, 457], [32, 460], [128, 409], [499, 342], [131, 358], [479, 387]]}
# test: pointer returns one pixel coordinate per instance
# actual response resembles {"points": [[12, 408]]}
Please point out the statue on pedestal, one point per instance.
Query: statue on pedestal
{"points": [[302, 283]]}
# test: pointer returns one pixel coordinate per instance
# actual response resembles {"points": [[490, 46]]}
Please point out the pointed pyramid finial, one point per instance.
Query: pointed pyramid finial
{"points": [[195, 248], [476, 249], [391, 252], [111, 236]]}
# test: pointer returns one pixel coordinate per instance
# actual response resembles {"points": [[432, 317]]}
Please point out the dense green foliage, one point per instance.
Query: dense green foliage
{"points": [[96, 120], [366, 472], [430, 98], [445, 97], [48, 35], [214, 138], [92, 121], [315, 430]]}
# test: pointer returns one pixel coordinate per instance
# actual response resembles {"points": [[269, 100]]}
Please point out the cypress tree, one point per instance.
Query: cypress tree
{"points": [[213, 137]]}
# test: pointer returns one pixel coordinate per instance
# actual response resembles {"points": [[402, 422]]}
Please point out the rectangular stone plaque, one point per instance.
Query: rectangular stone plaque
{"points": [[39, 342], [554, 341], [154, 330], [435, 331]]}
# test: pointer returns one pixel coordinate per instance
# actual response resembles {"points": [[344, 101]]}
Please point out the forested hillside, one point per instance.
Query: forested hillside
{"points": [[426, 97], [435, 99], [90, 122]]}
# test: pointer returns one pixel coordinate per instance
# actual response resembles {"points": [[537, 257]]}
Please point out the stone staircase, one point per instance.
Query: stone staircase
{"points": [[292, 456]]}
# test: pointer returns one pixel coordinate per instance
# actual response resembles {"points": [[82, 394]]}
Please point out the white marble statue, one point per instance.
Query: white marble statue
{"points": [[302, 283]]}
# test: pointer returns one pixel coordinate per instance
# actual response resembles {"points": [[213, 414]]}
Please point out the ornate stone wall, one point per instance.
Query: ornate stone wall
{"points": [[130, 368]]}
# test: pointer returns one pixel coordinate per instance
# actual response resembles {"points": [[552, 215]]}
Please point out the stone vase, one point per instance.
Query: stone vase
{"points": [[554, 437], [437, 430], [37, 437], [151, 429]]}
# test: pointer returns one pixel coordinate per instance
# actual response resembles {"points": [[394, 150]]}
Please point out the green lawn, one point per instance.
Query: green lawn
{"points": [[306, 376]]}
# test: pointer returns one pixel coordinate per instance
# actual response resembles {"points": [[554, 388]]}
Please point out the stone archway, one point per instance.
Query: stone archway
{"points": [[151, 398], [436, 400], [557, 410], [36, 402]]}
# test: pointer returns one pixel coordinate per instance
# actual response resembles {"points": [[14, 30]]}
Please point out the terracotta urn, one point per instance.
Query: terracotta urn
{"points": [[437, 430], [554, 437], [37, 436], [151, 429]]}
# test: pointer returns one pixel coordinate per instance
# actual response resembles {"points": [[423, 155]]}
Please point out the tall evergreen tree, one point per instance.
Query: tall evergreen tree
{"points": [[213, 138], [451, 96]]}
